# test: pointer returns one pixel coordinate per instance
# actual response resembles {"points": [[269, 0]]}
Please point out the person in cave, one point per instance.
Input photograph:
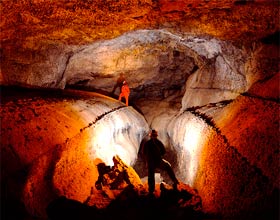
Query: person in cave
{"points": [[153, 151], [125, 91], [119, 83]]}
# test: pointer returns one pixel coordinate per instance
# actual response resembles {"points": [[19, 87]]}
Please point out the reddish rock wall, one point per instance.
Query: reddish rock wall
{"points": [[47, 144], [239, 171]]}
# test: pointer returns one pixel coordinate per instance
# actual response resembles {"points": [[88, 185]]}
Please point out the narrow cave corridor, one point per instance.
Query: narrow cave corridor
{"points": [[204, 74]]}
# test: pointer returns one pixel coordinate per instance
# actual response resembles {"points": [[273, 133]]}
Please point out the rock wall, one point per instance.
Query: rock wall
{"points": [[222, 76], [56, 143], [156, 64], [238, 165], [182, 79], [236, 155]]}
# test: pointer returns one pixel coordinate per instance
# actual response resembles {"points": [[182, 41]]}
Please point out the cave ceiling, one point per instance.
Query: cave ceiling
{"points": [[200, 59], [33, 23]]}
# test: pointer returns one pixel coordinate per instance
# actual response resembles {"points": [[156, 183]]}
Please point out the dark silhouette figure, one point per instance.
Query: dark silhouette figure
{"points": [[125, 91], [153, 151], [119, 83], [102, 170]]}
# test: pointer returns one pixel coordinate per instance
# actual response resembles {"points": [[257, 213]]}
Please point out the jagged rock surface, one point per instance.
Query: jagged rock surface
{"points": [[121, 194], [206, 63], [56, 142]]}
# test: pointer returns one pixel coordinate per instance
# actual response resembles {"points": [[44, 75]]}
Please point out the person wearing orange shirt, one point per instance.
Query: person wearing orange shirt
{"points": [[119, 83], [125, 91]]}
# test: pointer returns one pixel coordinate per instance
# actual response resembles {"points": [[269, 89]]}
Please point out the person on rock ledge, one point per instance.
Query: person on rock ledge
{"points": [[125, 91], [153, 151], [119, 83]]}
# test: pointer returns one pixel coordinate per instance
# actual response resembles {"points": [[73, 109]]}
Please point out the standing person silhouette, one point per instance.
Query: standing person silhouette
{"points": [[125, 91], [119, 83], [153, 151]]}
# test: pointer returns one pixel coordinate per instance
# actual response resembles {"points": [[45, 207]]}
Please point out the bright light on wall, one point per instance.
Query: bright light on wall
{"points": [[188, 134], [192, 144], [116, 134], [103, 143]]}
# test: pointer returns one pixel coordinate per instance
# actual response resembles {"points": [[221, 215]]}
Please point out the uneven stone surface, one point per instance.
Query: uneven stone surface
{"points": [[218, 140], [205, 74], [54, 143], [221, 77], [39, 38], [29, 24]]}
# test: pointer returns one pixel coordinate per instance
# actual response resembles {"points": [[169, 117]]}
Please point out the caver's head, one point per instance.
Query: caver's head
{"points": [[153, 134]]}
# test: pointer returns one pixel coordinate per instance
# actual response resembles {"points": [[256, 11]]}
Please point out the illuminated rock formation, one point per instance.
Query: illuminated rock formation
{"points": [[205, 74], [58, 142]]}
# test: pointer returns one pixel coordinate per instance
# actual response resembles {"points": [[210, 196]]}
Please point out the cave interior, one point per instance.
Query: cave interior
{"points": [[204, 74]]}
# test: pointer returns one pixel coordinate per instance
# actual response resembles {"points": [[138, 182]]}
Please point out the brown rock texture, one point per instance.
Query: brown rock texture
{"points": [[228, 182], [240, 159], [204, 73], [51, 144], [29, 23]]}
